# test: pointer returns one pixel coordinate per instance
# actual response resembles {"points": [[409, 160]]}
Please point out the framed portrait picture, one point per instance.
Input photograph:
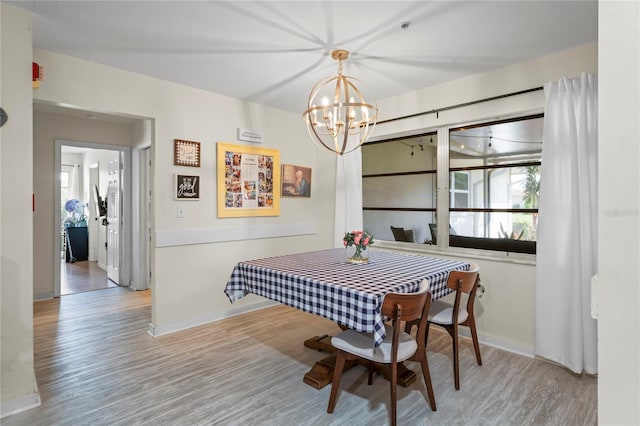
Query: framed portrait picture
{"points": [[187, 187], [296, 181], [248, 181], [186, 153]]}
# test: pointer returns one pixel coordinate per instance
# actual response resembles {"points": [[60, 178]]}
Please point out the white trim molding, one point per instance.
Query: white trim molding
{"points": [[182, 237], [156, 331], [19, 404]]}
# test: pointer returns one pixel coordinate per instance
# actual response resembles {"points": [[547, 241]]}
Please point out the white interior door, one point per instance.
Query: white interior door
{"points": [[94, 214], [113, 222]]}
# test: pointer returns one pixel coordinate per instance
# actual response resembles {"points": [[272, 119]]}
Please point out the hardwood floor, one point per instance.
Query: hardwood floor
{"points": [[96, 365], [82, 276]]}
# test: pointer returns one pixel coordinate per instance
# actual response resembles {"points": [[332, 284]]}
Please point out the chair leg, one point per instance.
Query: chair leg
{"points": [[456, 362], [408, 325], [474, 337], [370, 366], [424, 363], [394, 392], [335, 385]]}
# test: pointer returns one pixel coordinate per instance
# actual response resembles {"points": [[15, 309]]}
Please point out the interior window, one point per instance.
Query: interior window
{"points": [[495, 180], [399, 188]]}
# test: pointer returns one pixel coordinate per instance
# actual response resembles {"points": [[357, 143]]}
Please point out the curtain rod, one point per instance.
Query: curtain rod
{"points": [[437, 110]]}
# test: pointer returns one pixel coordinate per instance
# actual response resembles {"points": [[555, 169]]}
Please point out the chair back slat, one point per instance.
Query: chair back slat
{"points": [[412, 305], [462, 280]]}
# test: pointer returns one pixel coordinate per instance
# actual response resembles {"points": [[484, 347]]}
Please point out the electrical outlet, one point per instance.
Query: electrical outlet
{"points": [[180, 212]]}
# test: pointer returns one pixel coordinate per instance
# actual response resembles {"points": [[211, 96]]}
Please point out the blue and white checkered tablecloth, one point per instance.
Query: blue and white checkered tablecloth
{"points": [[325, 284]]}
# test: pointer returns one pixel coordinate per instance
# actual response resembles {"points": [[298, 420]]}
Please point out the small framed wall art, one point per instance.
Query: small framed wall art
{"points": [[296, 181], [187, 187], [186, 153]]}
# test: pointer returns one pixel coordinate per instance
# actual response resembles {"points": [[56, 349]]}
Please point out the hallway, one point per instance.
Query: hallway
{"points": [[82, 276]]}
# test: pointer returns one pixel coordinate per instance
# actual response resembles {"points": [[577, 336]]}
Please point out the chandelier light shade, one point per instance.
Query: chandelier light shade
{"points": [[337, 116]]}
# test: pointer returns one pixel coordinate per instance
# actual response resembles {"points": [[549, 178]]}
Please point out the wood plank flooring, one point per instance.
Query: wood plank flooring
{"points": [[82, 276], [96, 365]]}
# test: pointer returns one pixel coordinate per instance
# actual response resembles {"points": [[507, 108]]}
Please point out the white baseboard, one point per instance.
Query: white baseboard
{"points": [[155, 330], [19, 404], [499, 343], [43, 296], [519, 348], [134, 285]]}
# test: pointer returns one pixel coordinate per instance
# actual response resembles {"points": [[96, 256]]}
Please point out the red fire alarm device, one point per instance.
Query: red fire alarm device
{"points": [[37, 73]]}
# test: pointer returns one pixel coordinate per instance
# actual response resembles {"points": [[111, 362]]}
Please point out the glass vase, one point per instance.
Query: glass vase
{"points": [[357, 254]]}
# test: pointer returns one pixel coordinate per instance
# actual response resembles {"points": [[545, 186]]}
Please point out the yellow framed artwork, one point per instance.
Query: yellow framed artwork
{"points": [[248, 181]]}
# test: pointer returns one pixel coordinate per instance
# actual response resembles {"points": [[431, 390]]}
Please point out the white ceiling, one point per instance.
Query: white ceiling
{"points": [[273, 52]]}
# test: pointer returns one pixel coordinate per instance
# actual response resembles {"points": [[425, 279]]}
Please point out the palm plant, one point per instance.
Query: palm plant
{"points": [[531, 193]]}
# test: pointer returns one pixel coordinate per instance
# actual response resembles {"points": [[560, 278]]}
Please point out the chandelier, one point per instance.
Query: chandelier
{"points": [[337, 116]]}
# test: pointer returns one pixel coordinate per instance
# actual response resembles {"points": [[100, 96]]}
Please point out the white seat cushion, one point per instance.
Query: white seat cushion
{"points": [[361, 344], [442, 313]]}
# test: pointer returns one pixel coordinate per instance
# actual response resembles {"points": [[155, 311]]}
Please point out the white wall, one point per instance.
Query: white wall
{"points": [[18, 388], [47, 127], [189, 279], [510, 287], [619, 213], [505, 312], [140, 226], [521, 76]]}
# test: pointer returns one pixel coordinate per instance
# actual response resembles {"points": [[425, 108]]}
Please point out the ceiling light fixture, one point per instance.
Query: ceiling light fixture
{"points": [[342, 120]]}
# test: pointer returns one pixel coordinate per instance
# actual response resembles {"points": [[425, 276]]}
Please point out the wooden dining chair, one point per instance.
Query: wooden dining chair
{"points": [[397, 346], [450, 316]]}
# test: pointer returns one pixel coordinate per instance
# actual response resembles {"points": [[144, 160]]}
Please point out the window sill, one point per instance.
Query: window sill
{"points": [[496, 256], [505, 245]]}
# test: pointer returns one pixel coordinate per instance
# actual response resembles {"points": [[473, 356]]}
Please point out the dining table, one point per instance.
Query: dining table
{"points": [[325, 283]]}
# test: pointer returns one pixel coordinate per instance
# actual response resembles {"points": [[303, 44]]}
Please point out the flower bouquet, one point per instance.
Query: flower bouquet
{"points": [[361, 241], [75, 214]]}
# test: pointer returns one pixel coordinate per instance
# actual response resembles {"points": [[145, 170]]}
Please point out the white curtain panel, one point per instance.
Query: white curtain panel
{"points": [[74, 181], [348, 211], [566, 249]]}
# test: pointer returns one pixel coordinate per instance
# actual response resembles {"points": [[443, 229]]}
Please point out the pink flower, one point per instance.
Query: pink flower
{"points": [[360, 239]]}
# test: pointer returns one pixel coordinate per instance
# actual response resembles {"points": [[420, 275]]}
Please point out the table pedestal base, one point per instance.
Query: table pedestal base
{"points": [[321, 374]]}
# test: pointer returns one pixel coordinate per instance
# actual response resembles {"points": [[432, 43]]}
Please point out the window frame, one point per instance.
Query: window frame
{"points": [[443, 192], [427, 210], [487, 243]]}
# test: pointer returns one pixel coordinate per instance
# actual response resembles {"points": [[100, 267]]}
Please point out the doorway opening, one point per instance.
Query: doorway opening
{"points": [[93, 226], [90, 185]]}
